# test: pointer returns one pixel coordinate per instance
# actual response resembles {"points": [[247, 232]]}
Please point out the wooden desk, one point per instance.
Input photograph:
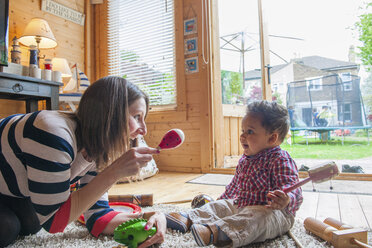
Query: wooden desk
{"points": [[29, 89]]}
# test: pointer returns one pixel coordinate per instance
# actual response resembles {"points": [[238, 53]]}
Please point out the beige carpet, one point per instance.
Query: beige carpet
{"points": [[76, 235]]}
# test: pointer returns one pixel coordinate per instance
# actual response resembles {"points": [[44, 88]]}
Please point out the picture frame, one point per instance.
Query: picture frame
{"points": [[191, 65], [4, 32], [191, 45], [190, 26]]}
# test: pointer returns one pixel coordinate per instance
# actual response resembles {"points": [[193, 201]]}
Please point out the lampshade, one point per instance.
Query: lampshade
{"points": [[60, 64], [38, 33]]}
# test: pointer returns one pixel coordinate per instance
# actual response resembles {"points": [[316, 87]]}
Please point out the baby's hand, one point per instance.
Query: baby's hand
{"points": [[278, 199]]}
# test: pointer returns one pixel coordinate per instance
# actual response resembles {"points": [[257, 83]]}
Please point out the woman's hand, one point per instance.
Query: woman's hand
{"points": [[278, 199], [133, 160], [157, 219]]}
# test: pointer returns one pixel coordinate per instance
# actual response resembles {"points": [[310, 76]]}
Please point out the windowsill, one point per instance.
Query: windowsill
{"points": [[344, 176], [234, 110], [163, 108], [165, 114]]}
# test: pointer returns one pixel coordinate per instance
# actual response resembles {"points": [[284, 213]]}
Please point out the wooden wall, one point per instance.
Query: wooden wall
{"points": [[232, 117], [69, 36]]}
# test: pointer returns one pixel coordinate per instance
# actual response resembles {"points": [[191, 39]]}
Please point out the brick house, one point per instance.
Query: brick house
{"points": [[313, 82]]}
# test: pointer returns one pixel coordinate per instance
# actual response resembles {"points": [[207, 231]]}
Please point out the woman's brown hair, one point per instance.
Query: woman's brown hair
{"points": [[102, 118]]}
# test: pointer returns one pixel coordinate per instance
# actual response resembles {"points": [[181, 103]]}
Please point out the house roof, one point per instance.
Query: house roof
{"points": [[318, 62], [256, 74], [323, 63]]}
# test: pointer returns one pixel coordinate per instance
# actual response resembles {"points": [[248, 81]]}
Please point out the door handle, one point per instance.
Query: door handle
{"points": [[17, 87]]}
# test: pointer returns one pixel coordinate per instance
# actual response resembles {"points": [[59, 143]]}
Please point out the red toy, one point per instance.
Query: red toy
{"points": [[172, 139], [124, 207]]}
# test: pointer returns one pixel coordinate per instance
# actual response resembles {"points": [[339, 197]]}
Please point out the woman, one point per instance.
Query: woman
{"points": [[43, 153]]}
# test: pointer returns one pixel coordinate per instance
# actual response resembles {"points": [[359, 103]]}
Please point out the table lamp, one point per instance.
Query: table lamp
{"points": [[38, 32], [61, 64], [61, 70]]}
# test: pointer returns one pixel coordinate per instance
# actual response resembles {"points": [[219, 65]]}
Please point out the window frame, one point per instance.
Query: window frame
{"points": [[347, 113], [220, 110], [348, 86], [176, 112], [315, 83], [163, 113], [347, 83]]}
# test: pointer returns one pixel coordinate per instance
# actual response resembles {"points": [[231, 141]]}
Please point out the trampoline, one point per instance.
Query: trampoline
{"points": [[325, 104]]}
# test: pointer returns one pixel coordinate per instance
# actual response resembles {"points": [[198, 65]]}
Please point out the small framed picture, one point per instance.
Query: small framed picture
{"points": [[191, 65], [190, 26], [191, 45]]}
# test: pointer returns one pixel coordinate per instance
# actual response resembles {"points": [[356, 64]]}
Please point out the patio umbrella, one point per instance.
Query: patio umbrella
{"points": [[243, 42]]}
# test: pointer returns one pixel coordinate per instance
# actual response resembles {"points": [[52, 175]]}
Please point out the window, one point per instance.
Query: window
{"points": [[141, 46], [346, 80], [347, 112], [275, 87], [345, 77], [239, 51], [348, 86], [314, 84]]}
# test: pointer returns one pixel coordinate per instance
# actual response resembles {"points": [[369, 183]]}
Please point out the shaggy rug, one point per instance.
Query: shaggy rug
{"points": [[76, 235]]}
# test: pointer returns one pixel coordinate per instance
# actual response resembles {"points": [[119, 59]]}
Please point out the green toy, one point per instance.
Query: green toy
{"points": [[132, 232]]}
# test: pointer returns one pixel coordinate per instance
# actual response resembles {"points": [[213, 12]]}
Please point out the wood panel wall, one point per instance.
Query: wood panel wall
{"points": [[232, 118], [69, 36]]}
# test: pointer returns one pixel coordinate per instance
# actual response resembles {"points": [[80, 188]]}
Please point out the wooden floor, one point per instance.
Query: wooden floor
{"points": [[170, 187]]}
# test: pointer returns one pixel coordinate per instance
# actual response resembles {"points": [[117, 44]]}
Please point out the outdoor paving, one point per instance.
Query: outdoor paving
{"points": [[365, 163], [340, 187]]}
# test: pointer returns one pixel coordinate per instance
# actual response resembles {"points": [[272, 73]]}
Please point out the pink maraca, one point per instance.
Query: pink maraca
{"points": [[172, 139]]}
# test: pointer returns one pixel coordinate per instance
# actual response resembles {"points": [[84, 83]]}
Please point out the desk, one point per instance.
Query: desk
{"points": [[29, 89]]}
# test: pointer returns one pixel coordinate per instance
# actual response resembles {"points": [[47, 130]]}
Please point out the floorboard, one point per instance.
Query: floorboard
{"points": [[366, 205], [309, 205], [351, 211], [328, 206]]}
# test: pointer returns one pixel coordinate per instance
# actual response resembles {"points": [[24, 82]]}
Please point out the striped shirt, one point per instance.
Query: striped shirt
{"points": [[268, 170], [39, 160]]}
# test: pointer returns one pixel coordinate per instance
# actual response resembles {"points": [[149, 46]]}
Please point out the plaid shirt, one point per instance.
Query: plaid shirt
{"points": [[256, 175]]}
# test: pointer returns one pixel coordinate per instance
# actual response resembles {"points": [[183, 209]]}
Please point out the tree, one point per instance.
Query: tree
{"points": [[367, 93], [364, 27], [277, 97], [129, 56], [232, 87], [256, 93]]}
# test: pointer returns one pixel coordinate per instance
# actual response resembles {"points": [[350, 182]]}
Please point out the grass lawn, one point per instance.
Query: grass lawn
{"points": [[353, 148]]}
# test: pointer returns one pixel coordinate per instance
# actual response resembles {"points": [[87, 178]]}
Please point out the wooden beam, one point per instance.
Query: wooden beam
{"points": [[89, 41], [180, 61], [218, 135], [345, 176], [100, 35], [265, 56]]}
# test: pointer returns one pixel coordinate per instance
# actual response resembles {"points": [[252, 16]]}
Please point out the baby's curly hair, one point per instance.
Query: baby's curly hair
{"points": [[274, 117]]}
